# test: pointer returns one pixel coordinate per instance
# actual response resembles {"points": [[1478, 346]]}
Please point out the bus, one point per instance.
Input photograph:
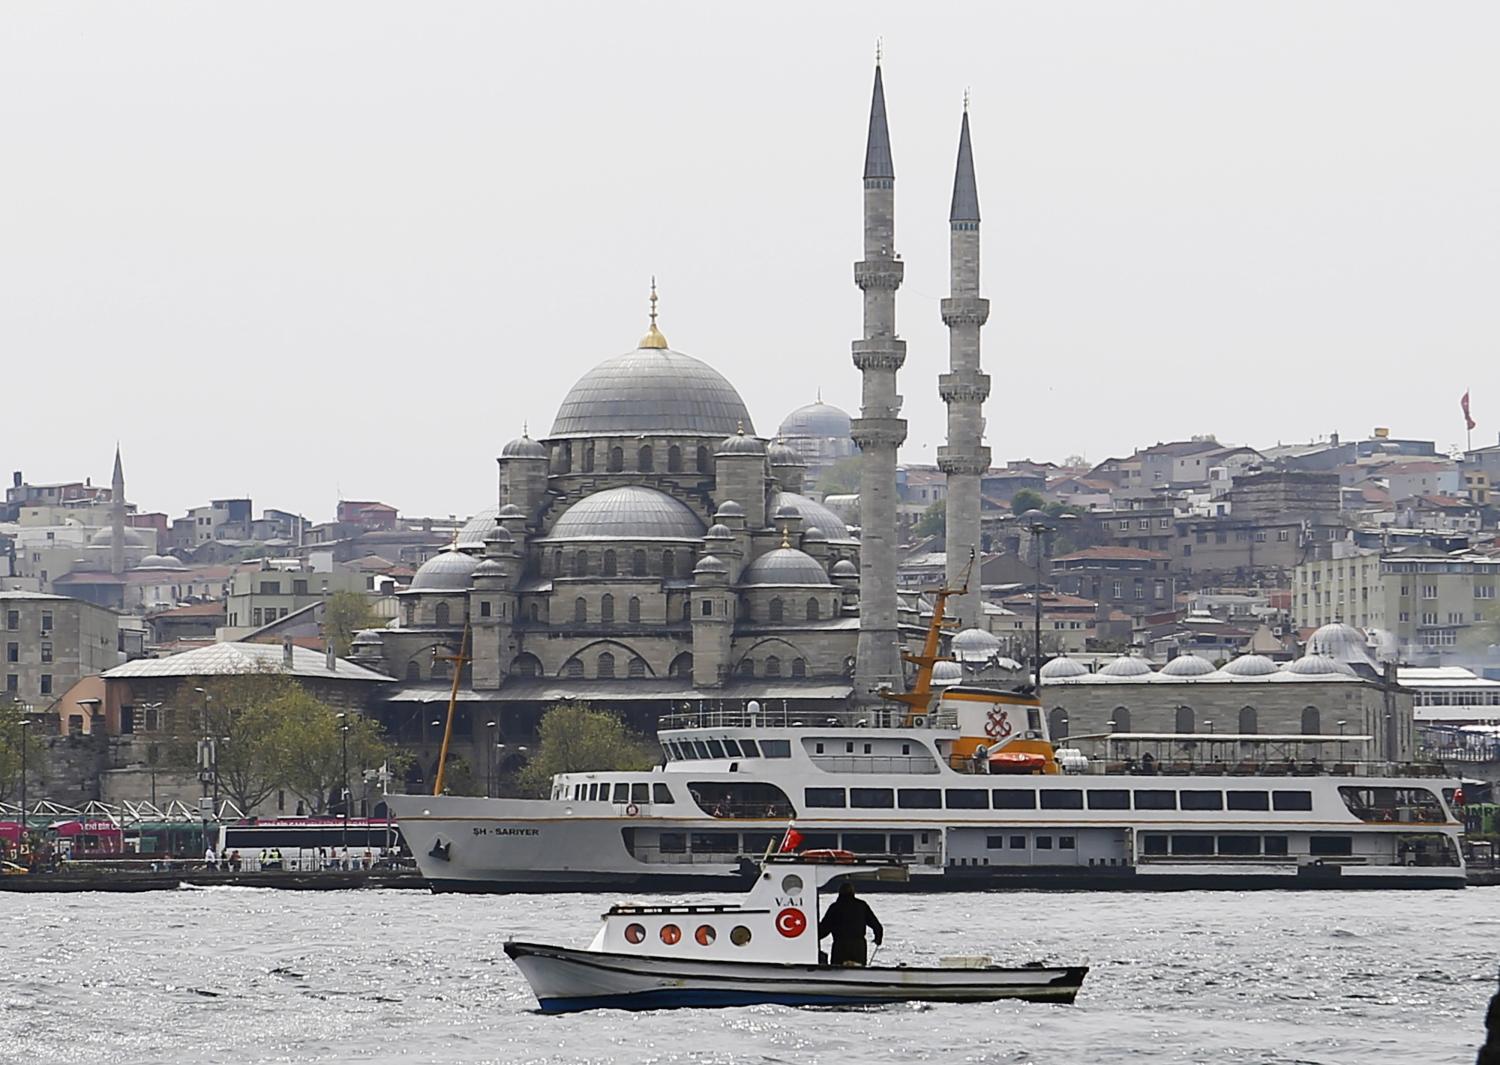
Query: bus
{"points": [[307, 844]]}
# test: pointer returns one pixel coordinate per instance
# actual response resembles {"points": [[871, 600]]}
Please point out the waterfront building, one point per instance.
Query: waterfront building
{"points": [[51, 641]]}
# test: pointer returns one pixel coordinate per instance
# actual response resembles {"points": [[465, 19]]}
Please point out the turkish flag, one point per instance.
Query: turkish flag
{"points": [[1464, 403], [791, 841]]}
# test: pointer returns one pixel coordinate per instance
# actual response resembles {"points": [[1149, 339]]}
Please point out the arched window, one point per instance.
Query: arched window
{"points": [[1312, 721], [1248, 721], [774, 612], [638, 563], [747, 667], [813, 613], [536, 612], [637, 666], [440, 615], [1121, 718], [588, 457], [682, 666], [799, 668], [773, 666], [580, 609], [687, 610], [1057, 723], [526, 665], [573, 669], [674, 459], [668, 563], [606, 665], [557, 563], [702, 459], [413, 671], [410, 613], [609, 563], [644, 459], [581, 564], [1187, 721], [616, 459], [634, 610], [566, 456], [607, 608]]}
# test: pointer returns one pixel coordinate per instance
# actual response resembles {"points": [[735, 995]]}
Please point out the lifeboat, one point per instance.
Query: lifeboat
{"points": [[1017, 762]]}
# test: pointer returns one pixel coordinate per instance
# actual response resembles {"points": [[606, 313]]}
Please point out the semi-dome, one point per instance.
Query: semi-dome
{"points": [[1250, 666], [945, 673], [844, 568], [741, 443], [1187, 665], [1126, 666], [523, 447], [710, 564], [628, 513], [652, 390], [974, 645], [1063, 668], [814, 515], [478, 527], [785, 565], [1341, 642], [1317, 666], [105, 537], [447, 571], [817, 419]]}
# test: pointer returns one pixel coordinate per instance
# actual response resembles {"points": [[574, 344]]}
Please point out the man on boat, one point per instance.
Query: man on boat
{"points": [[846, 921]]}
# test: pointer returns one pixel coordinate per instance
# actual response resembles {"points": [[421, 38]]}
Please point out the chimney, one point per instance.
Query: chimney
{"points": [[1333, 438], [331, 660], [15, 478], [286, 651]]}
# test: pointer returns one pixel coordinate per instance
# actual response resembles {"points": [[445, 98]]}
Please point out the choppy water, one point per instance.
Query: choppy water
{"points": [[246, 975]]}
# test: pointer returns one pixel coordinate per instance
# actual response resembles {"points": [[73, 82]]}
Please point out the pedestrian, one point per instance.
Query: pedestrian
{"points": [[210, 859], [846, 921]]}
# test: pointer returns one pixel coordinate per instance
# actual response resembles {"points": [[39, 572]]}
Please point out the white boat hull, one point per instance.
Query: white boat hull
{"points": [[567, 980]]}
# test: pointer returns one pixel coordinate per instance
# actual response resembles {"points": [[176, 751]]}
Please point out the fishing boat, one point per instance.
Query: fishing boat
{"points": [[764, 950]]}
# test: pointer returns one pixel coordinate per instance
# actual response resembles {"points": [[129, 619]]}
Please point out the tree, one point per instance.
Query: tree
{"points": [[934, 520], [343, 618], [842, 478], [309, 744], [12, 735], [574, 739], [1025, 500]]}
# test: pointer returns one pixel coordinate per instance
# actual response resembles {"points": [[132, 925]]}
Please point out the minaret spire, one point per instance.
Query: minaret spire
{"points": [[965, 386], [879, 430], [117, 516], [653, 337]]}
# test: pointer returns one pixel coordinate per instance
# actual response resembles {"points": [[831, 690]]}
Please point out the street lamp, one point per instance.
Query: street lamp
{"points": [[207, 767], [344, 790], [25, 723], [489, 763]]}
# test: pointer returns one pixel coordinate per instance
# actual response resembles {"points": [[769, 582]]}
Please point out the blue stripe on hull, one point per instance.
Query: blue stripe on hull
{"points": [[680, 998]]}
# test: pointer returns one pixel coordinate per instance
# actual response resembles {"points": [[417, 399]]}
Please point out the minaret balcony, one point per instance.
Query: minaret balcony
{"points": [[879, 353], [964, 387], [878, 432], [965, 310], [879, 274], [963, 460]]}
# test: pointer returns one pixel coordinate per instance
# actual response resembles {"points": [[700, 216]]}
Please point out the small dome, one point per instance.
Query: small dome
{"points": [[490, 567], [1317, 666], [1343, 643], [629, 513], [651, 390], [844, 568], [510, 510], [781, 455], [477, 528], [729, 509], [817, 420], [719, 532], [815, 535], [814, 515], [447, 571], [160, 562], [1250, 666], [741, 444], [710, 564], [785, 565], [499, 535], [1126, 666], [1063, 668], [523, 447], [366, 638], [786, 510], [945, 673], [105, 537], [1187, 665], [974, 645], [1034, 515]]}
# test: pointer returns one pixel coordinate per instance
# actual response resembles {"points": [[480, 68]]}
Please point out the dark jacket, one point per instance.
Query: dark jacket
{"points": [[846, 921]]}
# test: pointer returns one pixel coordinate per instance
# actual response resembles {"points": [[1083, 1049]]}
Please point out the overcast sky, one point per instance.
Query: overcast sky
{"points": [[306, 250]]}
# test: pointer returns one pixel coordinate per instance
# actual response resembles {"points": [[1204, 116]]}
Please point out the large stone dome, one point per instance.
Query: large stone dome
{"points": [[652, 390], [817, 419], [446, 571], [105, 537], [478, 527], [628, 513], [785, 565], [814, 515]]}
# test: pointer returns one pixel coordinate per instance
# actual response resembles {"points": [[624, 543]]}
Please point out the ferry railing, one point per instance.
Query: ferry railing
{"points": [[875, 763], [1221, 768], [771, 716]]}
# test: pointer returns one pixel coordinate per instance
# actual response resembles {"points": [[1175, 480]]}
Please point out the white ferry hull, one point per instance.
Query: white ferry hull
{"points": [[568, 980]]}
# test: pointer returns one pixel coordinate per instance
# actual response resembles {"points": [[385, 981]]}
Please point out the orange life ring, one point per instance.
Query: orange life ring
{"points": [[632, 810], [828, 855], [791, 922], [1016, 761]]}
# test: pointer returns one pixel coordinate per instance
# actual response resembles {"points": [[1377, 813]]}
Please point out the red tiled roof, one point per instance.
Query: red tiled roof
{"points": [[193, 610], [1103, 553]]}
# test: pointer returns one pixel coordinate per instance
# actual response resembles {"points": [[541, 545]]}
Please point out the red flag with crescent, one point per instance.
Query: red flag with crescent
{"points": [[1464, 403], [791, 841]]}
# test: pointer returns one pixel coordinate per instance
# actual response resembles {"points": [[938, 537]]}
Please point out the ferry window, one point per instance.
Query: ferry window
{"points": [[776, 748], [968, 799], [661, 793], [1034, 719], [1276, 845], [994, 843], [1330, 845], [849, 747], [715, 749], [670, 934], [1291, 800], [699, 751], [825, 798], [865, 842], [1014, 798], [872, 798], [1044, 843], [1392, 804], [1017, 843], [705, 935], [1108, 799], [906, 748], [1185, 844], [867, 748], [622, 793], [577, 792], [672, 843], [1067, 843], [1062, 799], [748, 749], [715, 843], [731, 749], [817, 748], [1154, 846], [635, 932], [920, 799], [1155, 799], [739, 935], [593, 794], [903, 843], [1249, 800], [640, 793], [820, 841], [1239, 845], [1201, 800]]}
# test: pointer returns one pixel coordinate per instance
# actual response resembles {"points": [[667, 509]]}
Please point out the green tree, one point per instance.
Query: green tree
{"points": [[346, 614], [458, 777], [309, 743], [12, 735], [842, 478], [1025, 500], [934, 520], [574, 739]]}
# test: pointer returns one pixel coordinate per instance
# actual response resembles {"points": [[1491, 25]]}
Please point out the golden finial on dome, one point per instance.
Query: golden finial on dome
{"points": [[653, 337], [786, 540], [741, 430]]}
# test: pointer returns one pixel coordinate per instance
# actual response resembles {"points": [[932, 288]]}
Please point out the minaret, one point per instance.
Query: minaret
{"points": [[879, 429], [117, 517], [965, 386]]}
